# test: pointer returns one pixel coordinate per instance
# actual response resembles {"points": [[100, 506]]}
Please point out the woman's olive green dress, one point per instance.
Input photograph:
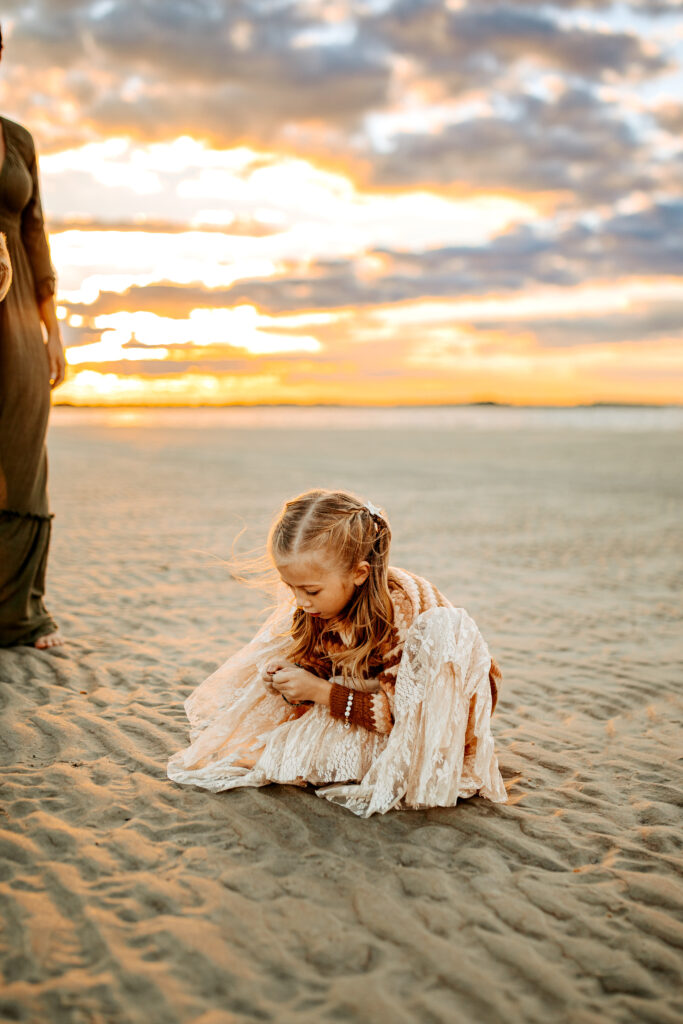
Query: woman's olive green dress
{"points": [[24, 398]]}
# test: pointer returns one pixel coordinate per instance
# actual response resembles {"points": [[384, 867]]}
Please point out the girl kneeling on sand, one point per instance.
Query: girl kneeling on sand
{"points": [[366, 681]]}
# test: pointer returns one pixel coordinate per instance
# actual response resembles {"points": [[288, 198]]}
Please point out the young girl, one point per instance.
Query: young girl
{"points": [[365, 682]]}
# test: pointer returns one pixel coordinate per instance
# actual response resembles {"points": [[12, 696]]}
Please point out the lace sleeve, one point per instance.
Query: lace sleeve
{"points": [[440, 748], [222, 688]]}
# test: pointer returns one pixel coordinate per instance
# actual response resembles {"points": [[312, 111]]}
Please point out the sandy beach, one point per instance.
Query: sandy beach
{"points": [[129, 900]]}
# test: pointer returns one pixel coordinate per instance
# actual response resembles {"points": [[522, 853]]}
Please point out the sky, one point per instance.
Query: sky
{"points": [[359, 201]]}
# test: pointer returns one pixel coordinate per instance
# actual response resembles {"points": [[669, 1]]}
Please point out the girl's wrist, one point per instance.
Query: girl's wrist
{"points": [[324, 690]]}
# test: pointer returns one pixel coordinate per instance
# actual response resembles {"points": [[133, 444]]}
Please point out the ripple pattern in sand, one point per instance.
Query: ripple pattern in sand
{"points": [[127, 899]]}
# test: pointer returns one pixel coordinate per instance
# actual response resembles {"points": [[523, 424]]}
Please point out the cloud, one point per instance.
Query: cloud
{"points": [[224, 71], [247, 226], [670, 117], [642, 243], [575, 146], [647, 7], [645, 322], [240, 70], [443, 39], [318, 80]]}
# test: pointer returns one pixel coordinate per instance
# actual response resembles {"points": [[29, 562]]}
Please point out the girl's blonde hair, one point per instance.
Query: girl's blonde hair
{"points": [[348, 532]]}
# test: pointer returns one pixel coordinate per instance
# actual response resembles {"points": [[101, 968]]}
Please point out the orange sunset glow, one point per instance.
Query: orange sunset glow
{"points": [[359, 202]]}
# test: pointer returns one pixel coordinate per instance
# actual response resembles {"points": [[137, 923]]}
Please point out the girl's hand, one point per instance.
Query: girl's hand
{"points": [[267, 673], [296, 684]]}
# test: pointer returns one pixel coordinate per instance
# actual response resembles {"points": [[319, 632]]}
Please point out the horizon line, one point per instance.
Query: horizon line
{"points": [[365, 405]]}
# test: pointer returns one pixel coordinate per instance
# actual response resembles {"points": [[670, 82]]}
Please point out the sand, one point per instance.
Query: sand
{"points": [[129, 899]]}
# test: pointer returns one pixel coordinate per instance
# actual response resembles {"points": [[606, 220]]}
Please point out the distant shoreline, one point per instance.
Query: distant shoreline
{"points": [[339, 405]]}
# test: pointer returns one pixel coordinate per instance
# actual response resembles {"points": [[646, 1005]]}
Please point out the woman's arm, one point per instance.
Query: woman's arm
{"points": [[38, 252], [33, 227]]}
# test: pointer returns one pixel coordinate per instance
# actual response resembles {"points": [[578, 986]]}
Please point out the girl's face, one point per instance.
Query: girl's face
{"points": [[320, 588]]}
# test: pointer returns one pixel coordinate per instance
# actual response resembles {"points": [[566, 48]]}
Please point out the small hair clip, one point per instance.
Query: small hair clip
{"points": [[373, 510]]}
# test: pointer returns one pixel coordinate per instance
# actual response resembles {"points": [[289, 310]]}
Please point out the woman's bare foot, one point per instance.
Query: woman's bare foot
{"points": [[49, 640]]}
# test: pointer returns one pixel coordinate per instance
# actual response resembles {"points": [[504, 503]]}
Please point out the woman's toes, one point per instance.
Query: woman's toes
{"points": [[43, 643]]}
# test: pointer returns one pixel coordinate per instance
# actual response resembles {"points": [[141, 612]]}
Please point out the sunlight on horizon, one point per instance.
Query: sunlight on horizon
{"points": [[208, 354]]}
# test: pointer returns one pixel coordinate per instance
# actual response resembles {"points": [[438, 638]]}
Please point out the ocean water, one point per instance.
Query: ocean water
{"points": [[486, 418]]}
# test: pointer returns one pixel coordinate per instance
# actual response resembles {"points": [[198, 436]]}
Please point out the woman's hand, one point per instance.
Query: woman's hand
{"points": [[55, 356], [55, 352], [296, 684]]}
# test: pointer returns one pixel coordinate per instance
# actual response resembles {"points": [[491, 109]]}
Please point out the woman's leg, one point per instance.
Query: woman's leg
{"points": [[24, 545]]}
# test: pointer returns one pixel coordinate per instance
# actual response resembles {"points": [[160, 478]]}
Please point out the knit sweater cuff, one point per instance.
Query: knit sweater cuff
{"points": [[495, 679], [369, 710]]}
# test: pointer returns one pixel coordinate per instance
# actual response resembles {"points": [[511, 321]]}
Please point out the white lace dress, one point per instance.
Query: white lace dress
{"points": [[439, 749]]}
